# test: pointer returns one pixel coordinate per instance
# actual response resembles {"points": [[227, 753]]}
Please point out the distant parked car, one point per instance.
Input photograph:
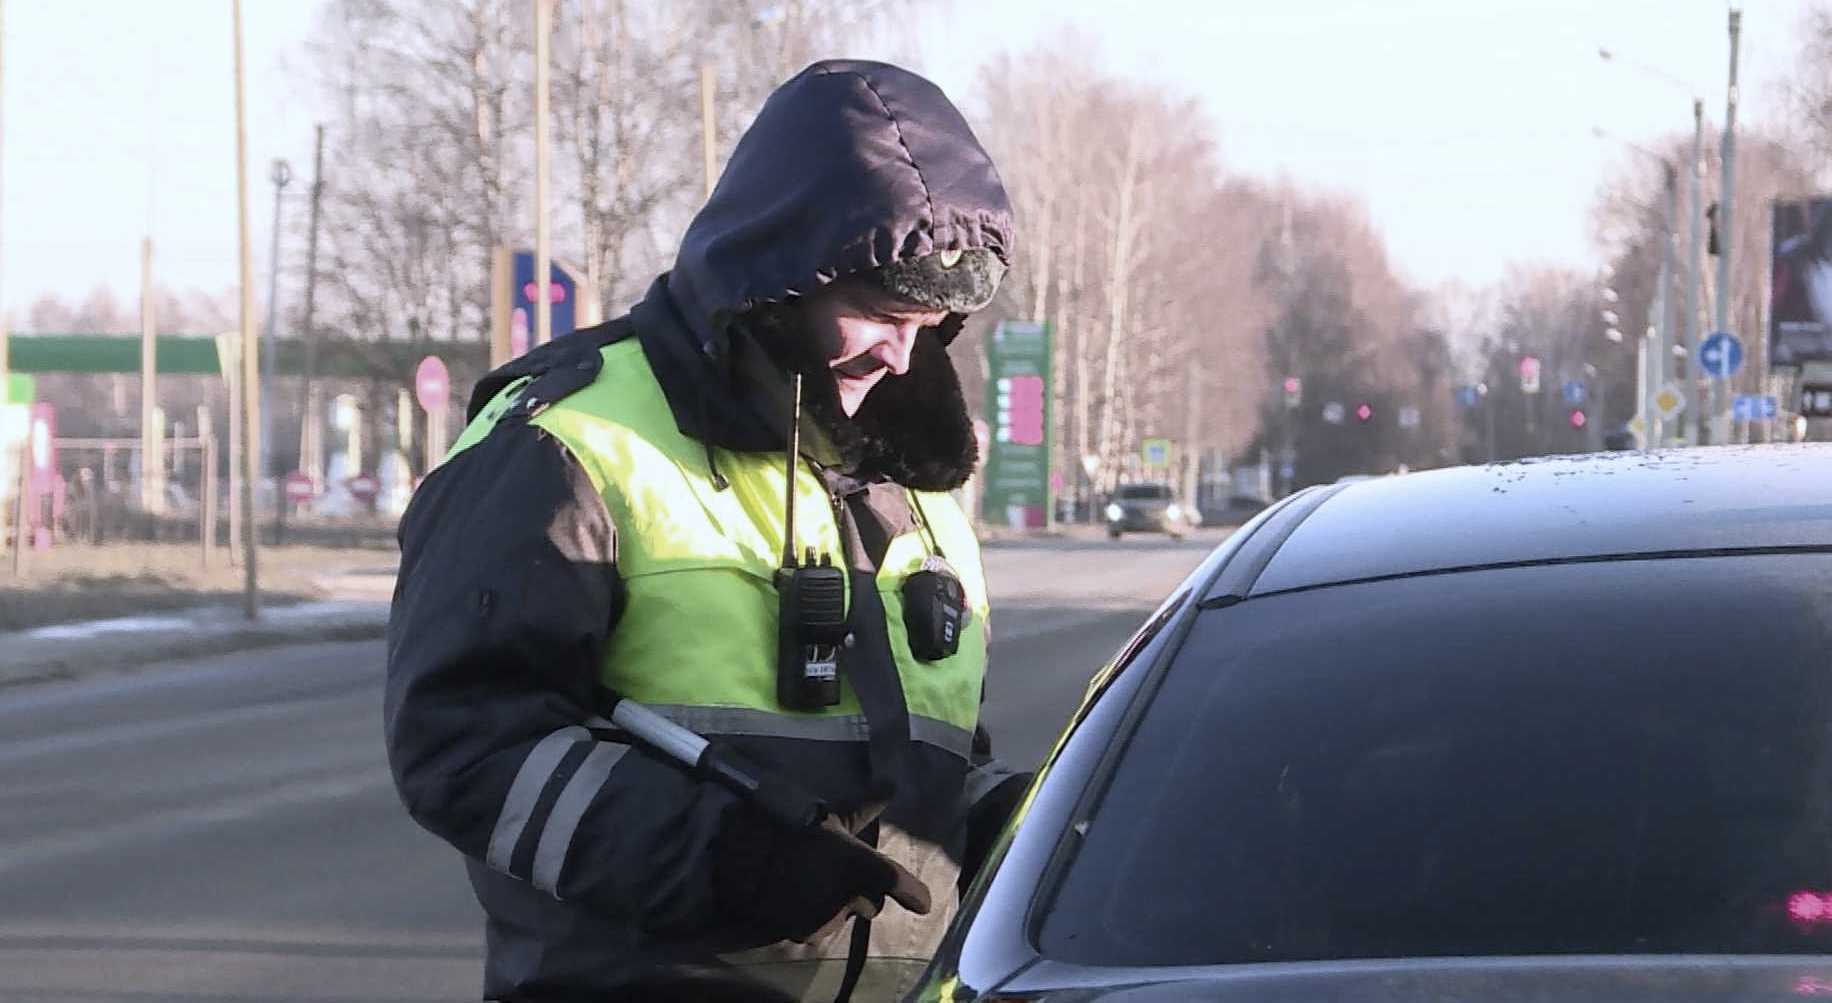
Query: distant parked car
{"points": [[1149, 507]]}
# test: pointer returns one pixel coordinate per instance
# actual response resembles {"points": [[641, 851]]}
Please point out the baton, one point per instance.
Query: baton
{"points": [[784, 802]]}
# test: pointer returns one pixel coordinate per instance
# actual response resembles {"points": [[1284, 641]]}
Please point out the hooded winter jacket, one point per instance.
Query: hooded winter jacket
{"points": [[593, 858]]}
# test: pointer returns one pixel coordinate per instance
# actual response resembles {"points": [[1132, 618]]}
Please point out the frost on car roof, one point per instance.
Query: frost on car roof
{"points": [[1562, 508]]}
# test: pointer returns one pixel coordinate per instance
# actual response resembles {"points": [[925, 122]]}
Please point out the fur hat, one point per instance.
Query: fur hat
{"points": [[954, 281]]}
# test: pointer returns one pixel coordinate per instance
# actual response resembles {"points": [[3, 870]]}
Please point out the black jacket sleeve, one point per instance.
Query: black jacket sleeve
{"points": [[507, 593]]}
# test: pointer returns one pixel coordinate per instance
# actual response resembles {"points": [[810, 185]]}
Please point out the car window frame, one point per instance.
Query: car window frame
{"points": [[1254, 547], [988, 944]]}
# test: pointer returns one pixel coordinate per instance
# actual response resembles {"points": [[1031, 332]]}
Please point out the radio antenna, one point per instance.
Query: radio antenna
{"points": [[788, 491]]}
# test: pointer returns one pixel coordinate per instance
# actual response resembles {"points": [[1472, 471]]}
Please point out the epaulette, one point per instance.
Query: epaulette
{"points": [[552, 372]]}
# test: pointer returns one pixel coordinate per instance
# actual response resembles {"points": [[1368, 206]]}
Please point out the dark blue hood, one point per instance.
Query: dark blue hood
{"points": [[849, 166]]}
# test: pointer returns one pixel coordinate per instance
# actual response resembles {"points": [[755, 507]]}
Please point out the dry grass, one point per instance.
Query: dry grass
{"points": [[83, 582]]}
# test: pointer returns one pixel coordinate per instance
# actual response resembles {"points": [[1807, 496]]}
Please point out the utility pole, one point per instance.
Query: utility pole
{"points": [[1725, 219], [229, 350], [251, 387], [152, 460], [311, 452], [1644, 408], [1488, 417], [281, 174], [1192, 433], [1663, 354], [5, 379], [543, 251], [707, 137], [1695, 414], [206, 431]]}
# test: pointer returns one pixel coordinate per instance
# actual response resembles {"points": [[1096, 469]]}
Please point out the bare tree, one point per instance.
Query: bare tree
{"points": [[1151, 272], [1807, 96], [49, 314], [99, 313], [627, 104]]}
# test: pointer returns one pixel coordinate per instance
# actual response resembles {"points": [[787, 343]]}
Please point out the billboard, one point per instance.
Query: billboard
{"points": [[1800, 296], [1017, 475]]}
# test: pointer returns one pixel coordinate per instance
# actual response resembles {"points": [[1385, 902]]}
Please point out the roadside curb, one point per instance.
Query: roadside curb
{"points": [[46, 655]]}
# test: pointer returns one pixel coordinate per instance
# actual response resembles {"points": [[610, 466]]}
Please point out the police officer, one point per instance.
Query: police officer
{"points": [[623, 518]]}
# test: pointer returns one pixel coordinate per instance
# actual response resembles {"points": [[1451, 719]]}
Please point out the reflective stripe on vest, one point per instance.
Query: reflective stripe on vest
{"points": [[698, 634]]}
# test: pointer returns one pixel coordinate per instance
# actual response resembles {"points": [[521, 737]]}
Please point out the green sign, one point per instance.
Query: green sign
{"points": [[196, 355], [1156, 452], [1017, 474], [20, 388]]}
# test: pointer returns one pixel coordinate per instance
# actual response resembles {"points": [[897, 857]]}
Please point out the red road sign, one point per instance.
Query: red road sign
{"points": [[299, 487], [362, 487], [432, 385]]}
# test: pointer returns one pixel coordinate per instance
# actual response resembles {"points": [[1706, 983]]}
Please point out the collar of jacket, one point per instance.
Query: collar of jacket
{"points": [[912, 429]]}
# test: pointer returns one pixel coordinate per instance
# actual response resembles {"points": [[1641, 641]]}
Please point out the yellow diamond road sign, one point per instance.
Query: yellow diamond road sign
{"points": [[1669, 402]]}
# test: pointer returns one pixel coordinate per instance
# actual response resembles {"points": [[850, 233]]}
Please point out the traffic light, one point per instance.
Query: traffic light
{"points": [[1364, 412], [1294, 391]]}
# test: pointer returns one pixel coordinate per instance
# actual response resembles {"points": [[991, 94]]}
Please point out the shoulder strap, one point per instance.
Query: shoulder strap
{"points": [[557, 369]]}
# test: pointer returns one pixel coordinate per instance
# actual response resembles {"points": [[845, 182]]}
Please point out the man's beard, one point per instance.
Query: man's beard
{"points": [[911, 429]]}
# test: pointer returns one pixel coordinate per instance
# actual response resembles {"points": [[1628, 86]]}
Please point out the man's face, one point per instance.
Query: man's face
{"points": [[864, 333]]}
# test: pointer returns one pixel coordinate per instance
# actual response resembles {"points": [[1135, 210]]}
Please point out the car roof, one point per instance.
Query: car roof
{"points": [[1565, 508]]}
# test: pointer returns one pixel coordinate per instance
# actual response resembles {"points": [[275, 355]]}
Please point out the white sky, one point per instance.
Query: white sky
{"points": [[1464, 124]]}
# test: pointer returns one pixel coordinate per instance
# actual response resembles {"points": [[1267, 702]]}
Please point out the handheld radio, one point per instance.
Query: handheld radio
{"points": [[811, 604]]}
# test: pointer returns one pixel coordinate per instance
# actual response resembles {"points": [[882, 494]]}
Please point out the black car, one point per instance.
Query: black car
{"points": [[1557, 729]]}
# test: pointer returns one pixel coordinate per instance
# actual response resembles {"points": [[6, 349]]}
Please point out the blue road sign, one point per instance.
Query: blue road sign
{"points": [[1721, 355], [1753, 407], [1574, 392], [1468, 396], [562, 293]]}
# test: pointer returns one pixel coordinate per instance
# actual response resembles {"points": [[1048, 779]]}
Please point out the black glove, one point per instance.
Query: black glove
{"points": [[791, 884]]}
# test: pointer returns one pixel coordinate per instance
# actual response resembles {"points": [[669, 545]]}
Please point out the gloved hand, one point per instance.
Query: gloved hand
{"points": [[795, 885]]}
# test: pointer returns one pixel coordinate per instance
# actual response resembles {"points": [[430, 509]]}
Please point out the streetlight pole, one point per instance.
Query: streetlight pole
{"points": [[1669, 265], [543, 267], [311, 449], [1725, 218], [281, 174], [1694, 242]]}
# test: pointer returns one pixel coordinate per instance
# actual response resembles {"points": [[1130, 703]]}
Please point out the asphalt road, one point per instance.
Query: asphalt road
{"points": [[225, 829]]}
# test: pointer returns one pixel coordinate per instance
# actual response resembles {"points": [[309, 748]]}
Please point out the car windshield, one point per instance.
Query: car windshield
{"points": [[1624, 758], [1142, 492]]}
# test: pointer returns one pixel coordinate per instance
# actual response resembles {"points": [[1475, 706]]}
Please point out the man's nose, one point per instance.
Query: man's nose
{"points": [[895, 350]]}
